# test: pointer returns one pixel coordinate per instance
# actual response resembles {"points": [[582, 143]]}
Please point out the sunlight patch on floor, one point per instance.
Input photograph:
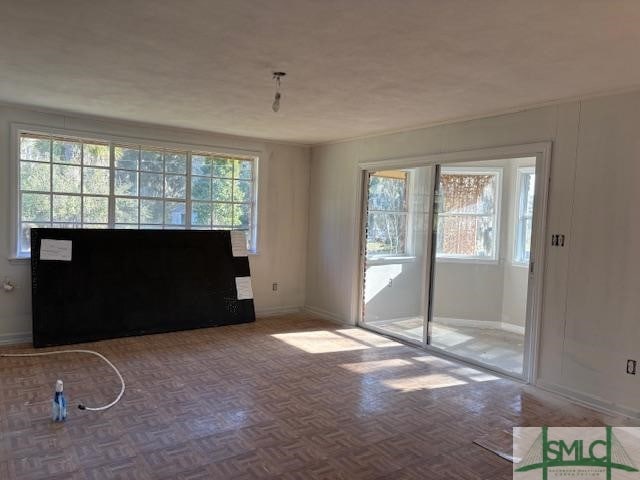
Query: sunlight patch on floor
{"points": [[320, 341], [474, 375], [435, 361], [423, 382], [375, 365]]}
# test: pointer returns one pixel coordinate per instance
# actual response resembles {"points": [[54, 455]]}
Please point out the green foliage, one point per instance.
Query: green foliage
{"points": [[96, 180], [175, 186], [126, 183], [95, 209], [66, 178], [126, 210], [35, 148], [201, 213], [126, 158], [222, 167], [151, 212], [35, 176], [66, 208], [95, 155], [222, 214], [66, 152], [79, 177], [36, 207], [200, 188], [175, 163], [151, 185], [386, 193], [222, 189], [387, 224]]}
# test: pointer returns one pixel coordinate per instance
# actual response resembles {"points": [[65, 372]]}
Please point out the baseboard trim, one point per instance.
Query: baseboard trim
{"points": [[332, 317], [510, 327], [16, 338], [589, 401], [26, 337], [489, 324], [274, 311]]}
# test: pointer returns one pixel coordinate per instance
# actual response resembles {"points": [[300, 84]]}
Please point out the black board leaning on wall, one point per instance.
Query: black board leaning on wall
{"points": [[133, 282]]}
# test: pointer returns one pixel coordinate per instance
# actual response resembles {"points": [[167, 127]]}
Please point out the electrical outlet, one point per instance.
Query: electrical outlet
{"points": [[274, 286], [8, 285], [631, 367], [390, 282]]}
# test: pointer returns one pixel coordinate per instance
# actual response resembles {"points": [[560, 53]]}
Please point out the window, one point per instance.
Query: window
{"points": [[387, 213], [80, 183], [526, 180], [468, 213]]}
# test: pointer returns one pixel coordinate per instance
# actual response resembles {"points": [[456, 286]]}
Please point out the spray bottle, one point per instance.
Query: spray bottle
{"points": [[59, 406]]}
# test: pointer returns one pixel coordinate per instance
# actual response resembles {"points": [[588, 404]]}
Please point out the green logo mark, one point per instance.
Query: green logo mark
{"points": [[607, 453]]}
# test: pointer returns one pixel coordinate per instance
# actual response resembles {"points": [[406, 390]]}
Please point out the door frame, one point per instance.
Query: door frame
{"points": [[542, 152]]}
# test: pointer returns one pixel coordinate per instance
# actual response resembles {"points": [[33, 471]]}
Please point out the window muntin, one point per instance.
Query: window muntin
{"points": [[467, 221], [387, 212], [80, 183], [526, 179], [149, 187], [63, 182], [221, 192]]}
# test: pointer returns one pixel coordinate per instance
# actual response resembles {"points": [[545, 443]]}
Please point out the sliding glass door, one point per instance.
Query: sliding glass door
{"points": [[447, 257], [396, 256], [480, 268]]}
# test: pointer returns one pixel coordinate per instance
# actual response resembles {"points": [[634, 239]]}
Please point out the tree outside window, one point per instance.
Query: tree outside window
{"points": [[526, 180], [69, 182], [387, 213]]}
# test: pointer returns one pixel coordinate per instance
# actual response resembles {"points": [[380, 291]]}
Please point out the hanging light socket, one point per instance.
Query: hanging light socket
{"points": [[276, 100]]}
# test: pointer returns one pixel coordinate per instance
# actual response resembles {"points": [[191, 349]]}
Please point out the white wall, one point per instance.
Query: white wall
{"points": [[468, 291], [590, 301], [283, 210], [393, 290]]}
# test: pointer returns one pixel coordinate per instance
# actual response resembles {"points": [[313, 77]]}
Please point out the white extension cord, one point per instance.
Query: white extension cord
{"points": [[80, 406]]}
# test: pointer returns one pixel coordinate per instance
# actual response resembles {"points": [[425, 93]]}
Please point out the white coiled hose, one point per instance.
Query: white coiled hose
{"points": [[58, 352]]}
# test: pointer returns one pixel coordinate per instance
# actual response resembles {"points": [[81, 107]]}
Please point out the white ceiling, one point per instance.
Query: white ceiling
{"points": [[355, 67]]}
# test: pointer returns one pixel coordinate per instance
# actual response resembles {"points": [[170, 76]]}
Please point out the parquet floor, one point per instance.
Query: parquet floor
{"points": [[288, 397]]}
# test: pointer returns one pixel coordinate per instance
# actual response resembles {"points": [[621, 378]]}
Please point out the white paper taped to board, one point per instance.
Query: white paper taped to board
{"points": [[239, 243], [55, 250], [243, 286]]}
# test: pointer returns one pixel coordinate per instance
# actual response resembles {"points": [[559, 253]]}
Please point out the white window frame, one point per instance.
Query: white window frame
{"points": [[381, 258], [497, 214], [519, 217], [18, 129]]}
